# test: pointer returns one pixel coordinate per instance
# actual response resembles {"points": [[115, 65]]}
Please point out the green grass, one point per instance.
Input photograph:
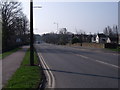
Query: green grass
{"points": [[3, 55], [117, 49], [26, 76]]}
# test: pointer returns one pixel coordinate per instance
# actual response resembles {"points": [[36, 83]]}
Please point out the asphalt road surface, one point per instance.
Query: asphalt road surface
{"points": [[80, 68], [0, 74]]}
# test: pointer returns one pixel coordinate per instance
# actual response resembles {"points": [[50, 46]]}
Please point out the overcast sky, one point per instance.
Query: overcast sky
{"points": [[87, 16]]}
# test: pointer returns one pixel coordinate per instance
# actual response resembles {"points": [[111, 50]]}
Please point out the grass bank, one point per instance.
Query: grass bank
{"points": [[26, 76], [117, 49], [3, 55]]}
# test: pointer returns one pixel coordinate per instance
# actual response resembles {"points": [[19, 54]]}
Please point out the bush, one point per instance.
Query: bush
{"points": [[111, 45], [75, 40]]}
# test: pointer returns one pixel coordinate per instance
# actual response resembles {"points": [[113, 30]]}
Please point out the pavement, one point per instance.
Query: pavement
{"points": [[11, 63], [80, 67]]}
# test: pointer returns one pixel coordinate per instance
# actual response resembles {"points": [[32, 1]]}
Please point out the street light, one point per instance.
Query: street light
{"points": [[57, 25], [31, 33]]}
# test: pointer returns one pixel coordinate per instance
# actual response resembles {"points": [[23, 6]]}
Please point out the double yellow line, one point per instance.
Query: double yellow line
{"points": [[49, 76]]}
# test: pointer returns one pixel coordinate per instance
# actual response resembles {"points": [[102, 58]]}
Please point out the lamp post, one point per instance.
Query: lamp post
{"points": [[31, 34], [57, 25]]}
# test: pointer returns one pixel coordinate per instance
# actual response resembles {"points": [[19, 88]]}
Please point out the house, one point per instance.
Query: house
{"points": [[93, 38], [89, 38], [112, 40], [108, 40], [101, 38]]}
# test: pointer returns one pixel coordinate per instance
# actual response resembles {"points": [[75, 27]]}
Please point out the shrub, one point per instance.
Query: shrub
{"points": [[75, 40], [111, 45]]}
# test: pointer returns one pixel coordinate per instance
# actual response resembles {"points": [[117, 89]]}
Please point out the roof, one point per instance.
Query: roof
{"points": [[101, 35]]}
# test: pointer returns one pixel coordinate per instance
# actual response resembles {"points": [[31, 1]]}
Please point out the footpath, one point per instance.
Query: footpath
{"points": [[11, 63]]}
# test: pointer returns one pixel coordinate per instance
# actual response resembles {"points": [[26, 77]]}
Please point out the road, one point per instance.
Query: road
{"points": [[80, 68], [0, 74]]}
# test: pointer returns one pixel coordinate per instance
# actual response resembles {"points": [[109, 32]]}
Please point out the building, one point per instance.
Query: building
{"points": [[112, 40], [93, 38], [101, 38], [108, 40]]}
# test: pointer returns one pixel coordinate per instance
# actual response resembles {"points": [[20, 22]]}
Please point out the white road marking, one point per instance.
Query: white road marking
{"points": [[97, 60], [46, 73], [107, 63], [82, 56], [50, 79]]}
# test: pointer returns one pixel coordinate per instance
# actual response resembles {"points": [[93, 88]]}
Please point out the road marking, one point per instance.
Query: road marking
{"points": [[50, 79], [82, 56], [107, 64], [97, 60], [46, 73]]}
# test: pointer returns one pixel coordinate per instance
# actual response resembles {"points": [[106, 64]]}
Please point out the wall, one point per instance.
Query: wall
{"points": [[91, 45]]}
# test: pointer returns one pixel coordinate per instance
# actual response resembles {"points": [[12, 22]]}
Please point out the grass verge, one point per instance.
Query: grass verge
{"points": [[3, 55], [117, 49], [26, 76]]}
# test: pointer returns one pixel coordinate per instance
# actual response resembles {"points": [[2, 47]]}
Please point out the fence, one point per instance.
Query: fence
{"points": [[91, 45]]}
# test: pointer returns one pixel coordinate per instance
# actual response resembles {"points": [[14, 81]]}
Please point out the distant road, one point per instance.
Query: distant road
{"points": [[80, 68]]}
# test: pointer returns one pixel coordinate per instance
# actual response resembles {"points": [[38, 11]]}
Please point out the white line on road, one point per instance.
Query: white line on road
{"points": [[82, 56], [50, 77], [97, 61]]}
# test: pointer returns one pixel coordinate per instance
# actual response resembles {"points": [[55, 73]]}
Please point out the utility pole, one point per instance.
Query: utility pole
{"points": [[31, 35]]}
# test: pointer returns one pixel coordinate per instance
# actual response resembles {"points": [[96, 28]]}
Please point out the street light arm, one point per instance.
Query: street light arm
{"points": [[37, 7], [57, 25]]}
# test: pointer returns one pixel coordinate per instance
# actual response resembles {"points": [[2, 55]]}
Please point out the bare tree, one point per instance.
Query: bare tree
{"points": [[14, 22]]}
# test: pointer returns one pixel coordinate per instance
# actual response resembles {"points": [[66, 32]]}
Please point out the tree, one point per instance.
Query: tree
{"points": [[112, 32], [75, 40], [105, 31], [14, 24], [63, 31], [63, 36], [108, 31], [81, 35], [117, 34]]}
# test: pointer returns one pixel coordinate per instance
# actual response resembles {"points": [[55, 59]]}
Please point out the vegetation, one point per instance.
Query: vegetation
{"points": [[115, 49], [75, 40], [15, 25], [26, 76], [112, 33], [62, 38]]}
